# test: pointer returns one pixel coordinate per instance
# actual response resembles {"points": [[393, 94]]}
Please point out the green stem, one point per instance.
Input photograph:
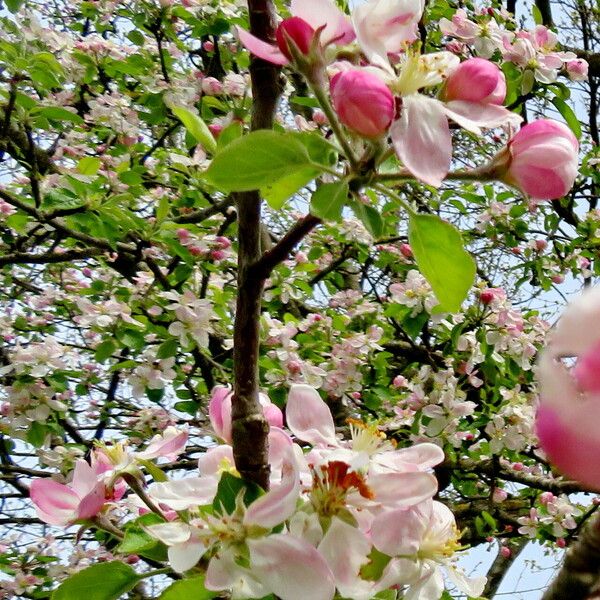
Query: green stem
{"points": [[164, 571], [321, 96], [386, 191]]}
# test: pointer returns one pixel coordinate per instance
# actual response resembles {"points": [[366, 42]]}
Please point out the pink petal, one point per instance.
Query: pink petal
{"points": [[400, 531], [402, 489], [219, 412], [55, 503], [260, 48], [422, 139], [291, 568], [213, 459], [183, 494], [308, 417], [473, 115], [92, 503], [278, 504], [319, 13], [185, 556], [85, 478], [279, 442], [346, 549], [169, 445], [419, 457]]}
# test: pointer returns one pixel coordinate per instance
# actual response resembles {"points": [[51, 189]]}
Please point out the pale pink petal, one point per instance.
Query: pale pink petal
{"points": [[423, 456], [345, 549], [473, 115], [279, 442], [85, 478], [402, 489], [224, 573], [214, 459], [324, 13], [183, 494], [430, 587], [260, 48], [308, 417], [384, 26], [578, 329], [471, 586], [291, 568], [170, 533], [278, 504], [400, 531], [55, 503], [422, 139], [168, 445], [185, 556]]}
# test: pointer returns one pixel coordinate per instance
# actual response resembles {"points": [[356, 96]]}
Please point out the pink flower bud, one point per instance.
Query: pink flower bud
{"points": [[406, 250], [224, 243], [499, 495], [577, 69], [476, 80], [400, 381], [560, 542], [208, 46], [215, 129], [505, 551], [557, 279], [363, 102], [211, 86], [319, 117], [543, 159], [294, 30], [541, 245], [218, 255], [547, 497]]}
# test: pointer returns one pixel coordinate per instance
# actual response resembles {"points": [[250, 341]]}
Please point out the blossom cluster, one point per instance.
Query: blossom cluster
{"points": [[363, 495]]}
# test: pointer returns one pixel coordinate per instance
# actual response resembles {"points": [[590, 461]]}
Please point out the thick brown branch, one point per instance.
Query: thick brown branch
{"points": [[249, 428]]}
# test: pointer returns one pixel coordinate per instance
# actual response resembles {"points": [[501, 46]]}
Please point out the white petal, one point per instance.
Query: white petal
{"points": [[183, 557]]}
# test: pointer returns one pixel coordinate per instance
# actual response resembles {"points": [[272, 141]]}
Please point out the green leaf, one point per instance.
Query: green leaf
{"points": [[196, 126], [329, 200], [104, 350], [229, 488], [188, 589], [57, 113], [168, 349], [369, 217], [438, 249], [14, 5], [257, 160], [537, 15], [136, 541], [89, 165], [568, 115], [155, 471], [280, 190], [36, 434], [103, 581], [233, 131]]}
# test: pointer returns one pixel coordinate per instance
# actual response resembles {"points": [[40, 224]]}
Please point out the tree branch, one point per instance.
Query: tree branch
{"points": [[580, 573], [249, 427]]}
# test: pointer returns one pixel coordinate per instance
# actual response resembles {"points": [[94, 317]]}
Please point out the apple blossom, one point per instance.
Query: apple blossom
{"points": [[363, 102], [308, 18], [567, 418], [60, 504], [542, 159]]}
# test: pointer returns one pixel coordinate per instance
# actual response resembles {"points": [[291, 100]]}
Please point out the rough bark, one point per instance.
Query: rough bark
{"points": [[250, 430], [579, 575]]}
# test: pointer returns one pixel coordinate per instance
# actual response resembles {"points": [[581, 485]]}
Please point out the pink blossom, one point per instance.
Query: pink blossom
{"points": [[169, 445], [577, 69], [543, 159], [569, 412], [219, 412], [59, 504], [308, 16], [384, 26], [363, 102]]}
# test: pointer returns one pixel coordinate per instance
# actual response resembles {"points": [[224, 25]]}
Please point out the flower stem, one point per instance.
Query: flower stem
{"points": [[321, 96]]}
